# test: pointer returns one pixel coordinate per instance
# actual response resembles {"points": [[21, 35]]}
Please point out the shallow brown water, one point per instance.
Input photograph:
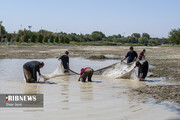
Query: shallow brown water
{"points": [[66, 99]]}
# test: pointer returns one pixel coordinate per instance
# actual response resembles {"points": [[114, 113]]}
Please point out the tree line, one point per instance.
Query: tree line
{"points": [[44, 36]]}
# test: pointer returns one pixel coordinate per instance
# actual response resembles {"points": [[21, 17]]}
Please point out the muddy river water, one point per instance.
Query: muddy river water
{"points": [[66, 99]]}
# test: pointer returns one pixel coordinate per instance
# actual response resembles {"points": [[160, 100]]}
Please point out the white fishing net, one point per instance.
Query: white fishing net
{"points": [[121, 70], [59, 71]]}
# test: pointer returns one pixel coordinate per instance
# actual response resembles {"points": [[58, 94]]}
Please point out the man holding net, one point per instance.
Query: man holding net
{"points": [[86, 73], [143, 67], [30, 70], [131, 55], [65, 61]]}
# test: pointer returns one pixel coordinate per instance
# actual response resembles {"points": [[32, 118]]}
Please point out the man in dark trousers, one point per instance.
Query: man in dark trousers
{"points": [[30, 71], [86, 72], [65, 61], [131, 55], [143, 67]]}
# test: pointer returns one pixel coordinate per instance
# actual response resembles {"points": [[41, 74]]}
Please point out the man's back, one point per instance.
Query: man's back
{"points": [[31, 66], [144, 65]]}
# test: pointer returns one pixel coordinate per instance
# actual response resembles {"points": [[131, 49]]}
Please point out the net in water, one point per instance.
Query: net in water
{"points": [[121, 70], [118, 70]]}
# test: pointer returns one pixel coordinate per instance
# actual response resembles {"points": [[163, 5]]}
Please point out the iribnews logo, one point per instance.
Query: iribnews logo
{"points": [[21, 98]]}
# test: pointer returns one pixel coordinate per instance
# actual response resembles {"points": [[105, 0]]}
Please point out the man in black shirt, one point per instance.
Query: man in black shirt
{"points": [[30, 70], [143, 67], [65, 61], [131, 55]]}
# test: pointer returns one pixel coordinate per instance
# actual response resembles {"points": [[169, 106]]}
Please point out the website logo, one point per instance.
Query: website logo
{"points": [[21, 100]]}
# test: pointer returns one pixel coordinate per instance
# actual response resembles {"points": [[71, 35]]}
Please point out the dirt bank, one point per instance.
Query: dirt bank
{"points": [[163, 92]]}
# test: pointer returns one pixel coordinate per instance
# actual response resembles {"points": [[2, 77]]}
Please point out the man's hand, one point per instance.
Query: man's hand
{"points": [[60, 60], [39, 74], [79, 78], [123, 59]]}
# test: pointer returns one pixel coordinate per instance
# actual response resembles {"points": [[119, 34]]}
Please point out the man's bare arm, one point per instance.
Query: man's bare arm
{"points": [[79, 78]]}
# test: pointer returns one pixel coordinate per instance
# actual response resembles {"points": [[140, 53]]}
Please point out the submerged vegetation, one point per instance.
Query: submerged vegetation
{"points": [[95, 38]]}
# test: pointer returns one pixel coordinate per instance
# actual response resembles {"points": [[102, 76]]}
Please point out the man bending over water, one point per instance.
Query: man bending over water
{"points": [[143, 67], [86, 72], [30, 71]]}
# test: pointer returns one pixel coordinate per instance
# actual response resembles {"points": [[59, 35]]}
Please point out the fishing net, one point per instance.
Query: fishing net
{"points": [[58, 72], [118, 70]]}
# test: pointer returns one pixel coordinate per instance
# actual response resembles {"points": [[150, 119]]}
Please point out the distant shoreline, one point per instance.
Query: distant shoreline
{"points": [[85, 44]]}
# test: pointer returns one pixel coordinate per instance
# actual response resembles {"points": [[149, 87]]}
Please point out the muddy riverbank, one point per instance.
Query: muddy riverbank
{"points": [[161, 92]]}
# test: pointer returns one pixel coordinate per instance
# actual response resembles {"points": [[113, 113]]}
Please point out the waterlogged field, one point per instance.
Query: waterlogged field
{"points": [[66, 99]]}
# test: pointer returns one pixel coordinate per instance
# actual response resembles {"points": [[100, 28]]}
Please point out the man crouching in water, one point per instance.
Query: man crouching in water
{"points": [[86, 72], [143, 67], [30, 71]]}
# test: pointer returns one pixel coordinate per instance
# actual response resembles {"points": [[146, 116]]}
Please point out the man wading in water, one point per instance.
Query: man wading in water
{"points": [[86, 72], [30, 71], [131, 55], [143, 67], [65, 61]]}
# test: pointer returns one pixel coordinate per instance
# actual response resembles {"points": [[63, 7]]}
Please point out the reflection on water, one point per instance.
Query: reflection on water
{"points": [[86, 91], [31, 88], [67, 99], [64, 86]]}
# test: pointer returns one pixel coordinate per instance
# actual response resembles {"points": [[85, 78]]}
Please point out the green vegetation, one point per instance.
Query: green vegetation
{"points": [[174, 36], [95, 38]]}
